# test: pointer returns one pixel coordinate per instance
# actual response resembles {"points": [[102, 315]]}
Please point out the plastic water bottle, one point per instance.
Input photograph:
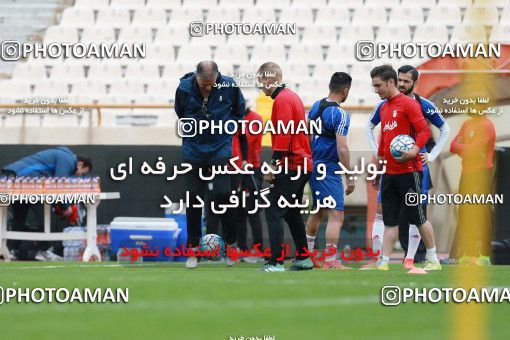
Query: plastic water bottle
{"points": [[79, 184], [47, 185], [73, 253], [75, 186], [73, 249], [17, 185], [9, 185], [95, 185], [32, 184], [3, 184], [25, 182], [39, 185], [86, 184], [67, 184], [60, 184]]}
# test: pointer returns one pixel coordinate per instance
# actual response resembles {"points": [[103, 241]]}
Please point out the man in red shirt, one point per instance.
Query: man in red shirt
{"points": [[295, 149], [401, 115], [475, 145]]}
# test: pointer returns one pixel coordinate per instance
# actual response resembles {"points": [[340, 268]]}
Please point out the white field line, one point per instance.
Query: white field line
{"points": [[193, 305], [61, 266]]}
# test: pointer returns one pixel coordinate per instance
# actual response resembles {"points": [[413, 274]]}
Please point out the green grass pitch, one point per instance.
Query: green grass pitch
{"points": [[166, 301]]}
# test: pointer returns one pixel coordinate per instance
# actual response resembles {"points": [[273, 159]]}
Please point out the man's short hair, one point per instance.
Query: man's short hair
{"points": [[339, 81], [207, 69], [270, 67], [87, 162], [385, 72], [411, 69]]}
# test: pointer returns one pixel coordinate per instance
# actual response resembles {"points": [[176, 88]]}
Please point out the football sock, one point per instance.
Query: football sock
{"points": [[414, 241], [377, 234], [329, 249], [311, 242], [431, 254], [385, 259]]}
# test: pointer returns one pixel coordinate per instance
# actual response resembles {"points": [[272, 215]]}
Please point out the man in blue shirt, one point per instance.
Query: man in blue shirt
{"points": [[328, 149], [409, 235], [208, 95], [55, 162]]}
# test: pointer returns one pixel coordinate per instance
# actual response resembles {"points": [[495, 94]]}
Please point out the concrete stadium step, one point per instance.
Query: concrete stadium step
{"points": [[6, 67], [29, 2], [21, 19], [15, 18], [16, 10], [22, 29]]}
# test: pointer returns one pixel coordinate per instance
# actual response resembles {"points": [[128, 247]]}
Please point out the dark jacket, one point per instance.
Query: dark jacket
{"points": [[57, 162], [226, 102]]}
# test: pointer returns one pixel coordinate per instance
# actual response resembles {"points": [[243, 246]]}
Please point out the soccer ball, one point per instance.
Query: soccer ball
{"points": [[211, 243], [401, 142]]}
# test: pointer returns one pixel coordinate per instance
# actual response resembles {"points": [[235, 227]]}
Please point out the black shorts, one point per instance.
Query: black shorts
{"points": [[401, 191]]}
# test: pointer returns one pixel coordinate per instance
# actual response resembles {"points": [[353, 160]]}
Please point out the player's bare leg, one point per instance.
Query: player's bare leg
{"points": [[390, 236], [412, 246], [377, 239], [312, 226], [378, 230], [333, 228], [427, 235]]}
